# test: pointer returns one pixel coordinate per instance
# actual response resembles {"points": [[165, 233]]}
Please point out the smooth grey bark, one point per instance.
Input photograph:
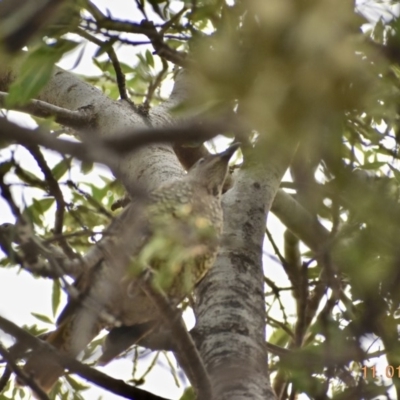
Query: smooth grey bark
{"points": [[230, 307], [150, 165]]}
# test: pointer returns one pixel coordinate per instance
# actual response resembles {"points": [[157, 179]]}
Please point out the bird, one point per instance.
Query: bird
{"points": [[178, 241]]}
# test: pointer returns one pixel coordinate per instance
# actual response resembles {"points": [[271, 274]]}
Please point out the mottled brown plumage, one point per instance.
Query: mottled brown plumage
{"points": [[178, 240]]}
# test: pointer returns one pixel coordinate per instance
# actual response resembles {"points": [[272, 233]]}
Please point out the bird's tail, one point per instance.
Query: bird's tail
{"points": [[45, 366]]}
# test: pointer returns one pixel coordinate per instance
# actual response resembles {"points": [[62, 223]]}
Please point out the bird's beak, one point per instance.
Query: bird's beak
{"points": [[228, 153]]}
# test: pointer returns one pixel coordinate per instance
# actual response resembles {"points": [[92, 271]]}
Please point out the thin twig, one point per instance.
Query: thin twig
{"points": [[156, 83], [39, 393], [7, 196], [280, 325], [114, 59], [275, 247], [5, 378], [100, 379], [173, 19], [99, 207], [55, 191], [146, 28]]}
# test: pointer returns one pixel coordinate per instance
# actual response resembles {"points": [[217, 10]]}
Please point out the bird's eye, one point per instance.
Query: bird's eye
{"points": [[201, 161]]}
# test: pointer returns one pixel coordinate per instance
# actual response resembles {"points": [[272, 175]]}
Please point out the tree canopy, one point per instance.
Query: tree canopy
{"points": [[310, 88]]}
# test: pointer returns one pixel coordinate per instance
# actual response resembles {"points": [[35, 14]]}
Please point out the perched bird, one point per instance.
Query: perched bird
{"points": [[178, 241]]}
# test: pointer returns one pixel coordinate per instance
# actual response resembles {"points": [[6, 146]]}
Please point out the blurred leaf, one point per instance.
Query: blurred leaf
{"points": [[86, 167], [105, 47], [36, 71], [105, 66], [56, 296], [29, 178], [43, 318], [42, 205], [188, 394], [60, 169], [5, 167], [378, 31], [98, 193], [34, 213], [149, 58], [155, 4], [78, 386], [34, 330], [373, 165], [279, 337]]}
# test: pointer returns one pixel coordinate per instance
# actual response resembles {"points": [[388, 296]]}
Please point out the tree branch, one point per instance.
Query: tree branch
{"points": [[120, 144], [146, 28], [114, 59], [74, 119], [5, 378], [55, 191], [187, 351], [100, 379], [295, 217], [39, 393]]}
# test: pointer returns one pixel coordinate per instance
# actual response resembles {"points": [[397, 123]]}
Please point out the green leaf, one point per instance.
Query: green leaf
{"points": [[396, 172], [86, 167], [279, 337], [36, 71], [105, 66], [43, 318], [98, 193], [379, 30], [156, 8], [188, 394], [149, 58], [41, 206], [104, 48], [127, 69], [34, 213], [56, 296], [373, 165], [5, 167], [60, 169], [29, 178], [34, 330], [76, 385]]}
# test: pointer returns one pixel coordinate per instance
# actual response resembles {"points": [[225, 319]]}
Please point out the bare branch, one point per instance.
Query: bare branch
{"points": [[295, 217], [38, 108], [39, 393], [103, 151], [55, 191], [146, 28], [100, 379], [7, 196], [5, 378], [41, 137], [114, 59]]}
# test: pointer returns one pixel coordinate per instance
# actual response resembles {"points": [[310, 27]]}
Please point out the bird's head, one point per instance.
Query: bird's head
{"points": [[211, 171]]}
